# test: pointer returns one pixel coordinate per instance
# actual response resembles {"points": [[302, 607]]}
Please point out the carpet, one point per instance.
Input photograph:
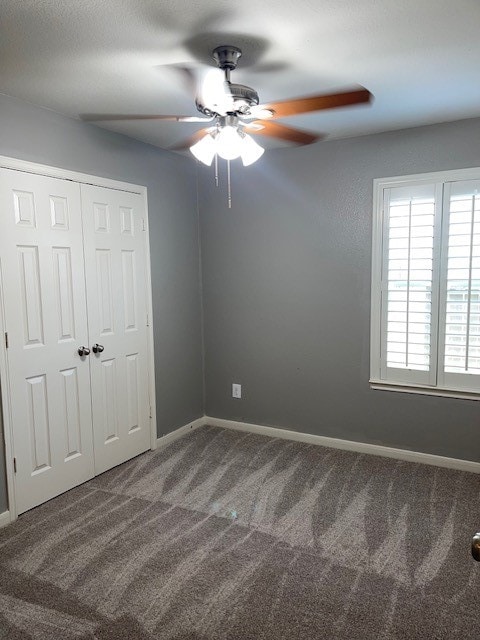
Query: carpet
{"points": [[224, 535]]}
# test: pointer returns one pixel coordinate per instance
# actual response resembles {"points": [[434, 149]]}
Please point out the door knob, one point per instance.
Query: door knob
{"points": [[83, 351], [97, 348], [476, 547]]}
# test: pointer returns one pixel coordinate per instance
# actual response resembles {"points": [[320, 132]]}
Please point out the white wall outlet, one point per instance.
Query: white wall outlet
{"points": [[236, 390]]}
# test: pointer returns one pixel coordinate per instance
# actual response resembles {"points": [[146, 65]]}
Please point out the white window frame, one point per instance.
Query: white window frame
{"points": [[405, 382]]}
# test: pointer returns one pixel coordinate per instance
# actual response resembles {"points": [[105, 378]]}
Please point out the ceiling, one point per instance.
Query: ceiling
{"points": [[420, 58]]}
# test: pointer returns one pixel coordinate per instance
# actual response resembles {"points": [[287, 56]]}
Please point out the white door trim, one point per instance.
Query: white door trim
{"points": [[5, 519], [6, 410], [66, 174], [150, 349], [82, 178]]}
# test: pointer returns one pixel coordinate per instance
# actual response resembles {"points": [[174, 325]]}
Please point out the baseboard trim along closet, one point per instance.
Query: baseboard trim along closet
{"points": [[348, 445], [5, 519], [168, 438]]}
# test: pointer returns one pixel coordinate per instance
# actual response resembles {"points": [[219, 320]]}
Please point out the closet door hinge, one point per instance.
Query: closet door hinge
{"points": [[144, 228], [6, 340], [148, 321], [150, 411], [14, 465]]}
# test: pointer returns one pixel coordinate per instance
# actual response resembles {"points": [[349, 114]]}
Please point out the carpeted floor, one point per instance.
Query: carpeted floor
{"points": [[232, 536]]}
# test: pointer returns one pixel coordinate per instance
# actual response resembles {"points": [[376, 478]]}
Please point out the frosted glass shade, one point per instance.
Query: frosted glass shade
{"points": [[205, 149], [229, 143], [251, 151]]}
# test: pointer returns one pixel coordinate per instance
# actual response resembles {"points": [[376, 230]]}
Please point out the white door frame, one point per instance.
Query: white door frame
{"points": [[82, 178]]}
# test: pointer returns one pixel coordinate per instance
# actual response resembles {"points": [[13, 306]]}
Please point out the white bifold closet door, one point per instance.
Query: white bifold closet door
{"points": [[66, 285], [114, 226], [45, 315]]}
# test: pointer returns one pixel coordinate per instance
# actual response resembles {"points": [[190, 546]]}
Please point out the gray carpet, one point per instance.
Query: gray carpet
{"points": [[230, 536]]}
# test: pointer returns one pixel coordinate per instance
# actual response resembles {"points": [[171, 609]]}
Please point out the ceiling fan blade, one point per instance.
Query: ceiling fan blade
{"points": [[191, 140], [297, 106], [275, 130], [101, 117], [186, 74]]}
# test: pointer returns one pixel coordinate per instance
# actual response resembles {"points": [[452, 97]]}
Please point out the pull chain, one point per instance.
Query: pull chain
{"points": [[229, 181]]}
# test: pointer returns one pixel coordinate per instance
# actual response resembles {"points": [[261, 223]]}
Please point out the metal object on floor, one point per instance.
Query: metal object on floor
{"points": [[476, 547]]}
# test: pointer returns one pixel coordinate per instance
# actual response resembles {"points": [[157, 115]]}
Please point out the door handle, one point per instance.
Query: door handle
{"points": [[97, 348], [83, 351], [476, 547]]}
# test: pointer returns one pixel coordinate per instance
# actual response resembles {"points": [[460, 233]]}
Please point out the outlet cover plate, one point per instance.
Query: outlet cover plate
{"points": [[236, 390]]}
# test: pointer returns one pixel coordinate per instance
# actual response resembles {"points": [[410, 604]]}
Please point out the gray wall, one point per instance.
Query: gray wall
{"points": [[286, 282], [286, 278], [39, 135]]}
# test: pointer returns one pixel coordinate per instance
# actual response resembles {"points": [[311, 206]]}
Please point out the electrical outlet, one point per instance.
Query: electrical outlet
{"points": [[236, 390]]}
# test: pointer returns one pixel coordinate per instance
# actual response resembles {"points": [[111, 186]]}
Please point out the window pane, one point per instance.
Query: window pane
{"points": [[409, 271], [462, 317], [397, 306], [398, 243], [458, 217], [460, 204], [398, 264], [419, 338], [460, 229], [396, 316], [458, 251], [399, 254], [460, 240], [421, 232], [460, 263], [419, 306], [427, 243], [419, 296], [400, 222], [399, 233], [417, 254], [421, 274]]}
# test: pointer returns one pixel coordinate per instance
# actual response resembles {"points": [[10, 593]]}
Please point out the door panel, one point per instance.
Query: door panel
{"points": [[115, 274], [43, 286]]}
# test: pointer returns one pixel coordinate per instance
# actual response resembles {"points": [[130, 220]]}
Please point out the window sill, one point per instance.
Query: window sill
{"points": [[425, 391]]}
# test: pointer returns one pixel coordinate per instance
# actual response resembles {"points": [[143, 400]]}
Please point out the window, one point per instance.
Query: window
{"points": [[425, 333]]}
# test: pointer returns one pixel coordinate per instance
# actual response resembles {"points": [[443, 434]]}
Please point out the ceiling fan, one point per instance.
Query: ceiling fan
{"points": [[233, 114]]}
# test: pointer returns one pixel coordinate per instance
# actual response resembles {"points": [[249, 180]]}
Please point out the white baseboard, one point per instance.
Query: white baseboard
{"points": [[5, 519], [348, 445], [168, 438]]}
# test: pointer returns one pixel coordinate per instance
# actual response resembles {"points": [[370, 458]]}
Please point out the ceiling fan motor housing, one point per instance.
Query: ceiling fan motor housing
{"points": [[243, 99], [243, 94], [226, 56]]}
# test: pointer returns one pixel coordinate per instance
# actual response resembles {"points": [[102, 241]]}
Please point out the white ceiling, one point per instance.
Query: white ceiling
{"points": [[420, 58]]}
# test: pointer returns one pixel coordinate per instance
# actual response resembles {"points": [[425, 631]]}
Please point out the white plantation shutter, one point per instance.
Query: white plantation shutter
{"points": [[425, 331], [408, 329], [460, 290]]}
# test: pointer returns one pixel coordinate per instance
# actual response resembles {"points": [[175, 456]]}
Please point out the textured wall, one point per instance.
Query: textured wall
{"points": [[286, 281], [38, 135]]}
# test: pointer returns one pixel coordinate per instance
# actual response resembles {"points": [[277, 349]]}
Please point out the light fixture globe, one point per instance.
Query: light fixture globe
{"points": [[205, 149], [229, 143], [251, 150]]}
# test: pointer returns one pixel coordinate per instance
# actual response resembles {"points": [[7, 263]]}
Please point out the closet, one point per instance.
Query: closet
{"points": [[74, 301]]}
